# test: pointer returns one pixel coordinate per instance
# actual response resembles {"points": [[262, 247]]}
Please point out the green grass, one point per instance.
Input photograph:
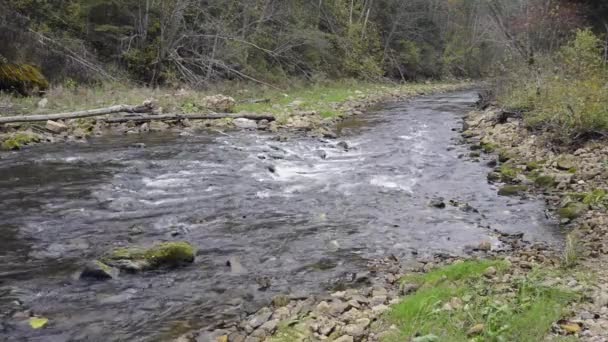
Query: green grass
{"points": [[521, 311]]}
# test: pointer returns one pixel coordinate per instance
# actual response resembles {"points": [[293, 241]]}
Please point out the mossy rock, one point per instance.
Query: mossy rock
{"points": [[508, 173], [512, 190], [17, 140], [572, 210], [488, 147], [494, 176], [545, 181], [24, 79], [532, 165], [170, 254], [475, 154], [504, 156], [566, 163]]}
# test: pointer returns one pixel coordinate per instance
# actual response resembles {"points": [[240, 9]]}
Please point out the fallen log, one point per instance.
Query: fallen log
{"points": [[177, 117], [146, 107]]}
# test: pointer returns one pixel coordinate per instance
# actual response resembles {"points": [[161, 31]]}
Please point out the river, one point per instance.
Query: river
{"points": [[302, 215]]}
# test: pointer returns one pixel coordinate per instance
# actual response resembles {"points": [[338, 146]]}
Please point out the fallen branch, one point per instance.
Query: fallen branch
{"points": [[144, 108], [177, 117]]}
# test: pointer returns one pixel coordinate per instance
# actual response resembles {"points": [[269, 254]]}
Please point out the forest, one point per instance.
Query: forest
{"points": [[199, 42]]}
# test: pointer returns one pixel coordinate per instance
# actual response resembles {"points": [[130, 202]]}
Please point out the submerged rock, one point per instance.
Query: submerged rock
{"points": [[170, 254], [245, 123], [97, 270], [512, 190]]}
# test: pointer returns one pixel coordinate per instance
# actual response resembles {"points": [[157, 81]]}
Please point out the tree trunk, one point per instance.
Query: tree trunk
{"points": [[144, 108]]}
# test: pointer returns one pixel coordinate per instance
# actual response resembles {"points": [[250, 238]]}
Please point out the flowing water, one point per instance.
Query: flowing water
{"points": [[303, 214]]}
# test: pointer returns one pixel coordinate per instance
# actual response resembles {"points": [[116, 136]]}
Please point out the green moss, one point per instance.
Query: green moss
{"points": [[573, 210], [494, 176], [17, 140], [512, 190], [508, 173], [532, 165], [504, 156], [544, 181], [164, 254], [24, 79], [488, 147], [474, 154]]}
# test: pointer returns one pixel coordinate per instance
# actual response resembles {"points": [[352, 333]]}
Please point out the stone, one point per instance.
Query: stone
{"points": [[378, 300], [476, 330], [337, 307], [572, 211], [260, 318], [270, 327], [56, 127], [158, 126], [323, 307], [345, 338], [219, 103], [380, 309], [97, 270], [490, 272], [485, 246], [43, 103], [170, 254], [426, 338], [407, 288], [566, 163], [512, 190], [438, 203], [245, 123], [343, 145], [571, 328], [358, 328], [279, 301]]}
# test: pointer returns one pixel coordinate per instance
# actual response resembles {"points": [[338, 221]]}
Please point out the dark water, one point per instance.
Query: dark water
{"points": [[306, 225]]}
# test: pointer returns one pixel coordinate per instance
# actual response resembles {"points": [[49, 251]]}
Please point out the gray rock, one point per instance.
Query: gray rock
{"points": [[345, 338], [378, 300], [270, 327], [235, 265], [358, 328], [56, 127], [96, 270], [245, 123], [337, 307], [260, 318]]}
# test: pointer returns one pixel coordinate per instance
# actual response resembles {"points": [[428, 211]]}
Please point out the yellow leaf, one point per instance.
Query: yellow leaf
{"points": [[38, 322]]}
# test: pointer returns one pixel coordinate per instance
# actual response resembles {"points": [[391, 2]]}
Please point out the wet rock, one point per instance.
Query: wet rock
{"points": [[96, 270], [260, 318], [512, 190], [56, 127], [321, 154], [158, 126], [572, 211], [170, 254], [280, 301], [343, 145], [245, 123], [438, 203], [485, 246], [138, 145]]}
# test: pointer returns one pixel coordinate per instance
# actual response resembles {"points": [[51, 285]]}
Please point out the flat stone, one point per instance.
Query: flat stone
{"points": [[337, 307], [345, 338], [260, 318], [380, 309], [358, 328], [378, 300], [271, 326]]}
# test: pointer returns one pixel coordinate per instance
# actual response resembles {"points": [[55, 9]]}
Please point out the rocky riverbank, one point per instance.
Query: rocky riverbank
{"points": [[525, 165], [295, 116], [573, 180]]}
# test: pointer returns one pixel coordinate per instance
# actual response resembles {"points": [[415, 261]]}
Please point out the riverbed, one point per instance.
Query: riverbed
{"points": [[301, 216]]}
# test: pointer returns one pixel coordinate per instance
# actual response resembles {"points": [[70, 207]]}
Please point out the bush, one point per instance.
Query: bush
{"points": [[569, 92]]}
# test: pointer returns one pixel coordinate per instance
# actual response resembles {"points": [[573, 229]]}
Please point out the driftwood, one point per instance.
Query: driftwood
{"points": [[176, 117], [144, 108]]}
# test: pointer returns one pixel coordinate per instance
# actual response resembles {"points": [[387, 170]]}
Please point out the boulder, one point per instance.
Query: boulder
{"points": [[56, 127], [23, 79], [168, 254], [219, 103], [97, 270], [245, 123]]}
